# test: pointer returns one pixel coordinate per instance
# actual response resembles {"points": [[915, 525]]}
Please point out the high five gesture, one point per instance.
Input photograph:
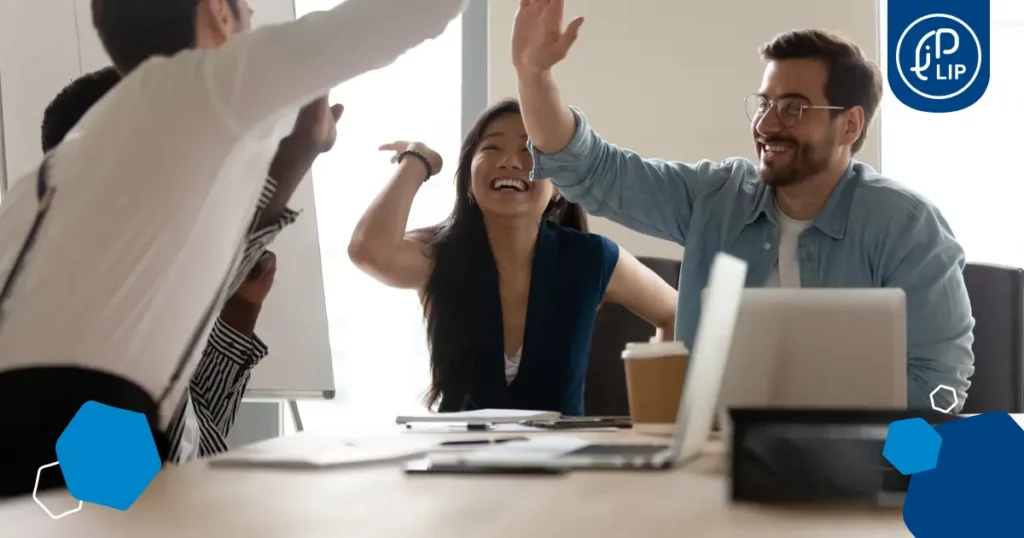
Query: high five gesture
{"points": [[538, 40], [538, 43]]}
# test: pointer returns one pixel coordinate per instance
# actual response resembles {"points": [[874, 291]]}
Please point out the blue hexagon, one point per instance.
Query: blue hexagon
{"points": [[912, 446], [107, 455]]}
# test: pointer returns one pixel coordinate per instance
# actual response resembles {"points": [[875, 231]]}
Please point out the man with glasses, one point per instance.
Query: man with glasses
{"points": [[805, 215]]}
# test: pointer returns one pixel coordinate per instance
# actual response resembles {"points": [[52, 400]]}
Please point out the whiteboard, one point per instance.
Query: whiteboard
{"points": [[293, 322]]}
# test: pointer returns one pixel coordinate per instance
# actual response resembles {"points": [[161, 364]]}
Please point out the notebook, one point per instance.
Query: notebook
{"points": [[481, 416]]}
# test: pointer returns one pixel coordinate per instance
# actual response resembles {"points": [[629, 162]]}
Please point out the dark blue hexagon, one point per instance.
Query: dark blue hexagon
{"points": [[912, 446], [975, 488], [107, 455]]}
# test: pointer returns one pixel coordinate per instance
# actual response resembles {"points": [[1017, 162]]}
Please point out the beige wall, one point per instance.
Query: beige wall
{"points": [[667, 78]]}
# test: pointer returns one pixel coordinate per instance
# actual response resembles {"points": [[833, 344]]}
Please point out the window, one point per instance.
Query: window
{"points": [[964, 161], [381, 362]]}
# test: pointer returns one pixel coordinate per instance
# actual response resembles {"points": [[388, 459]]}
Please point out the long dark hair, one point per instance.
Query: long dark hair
{"points": [[452, 305]]}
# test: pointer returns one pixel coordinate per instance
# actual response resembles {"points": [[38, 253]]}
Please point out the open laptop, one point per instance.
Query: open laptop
{"points": [[818, 348], [696, 406]]}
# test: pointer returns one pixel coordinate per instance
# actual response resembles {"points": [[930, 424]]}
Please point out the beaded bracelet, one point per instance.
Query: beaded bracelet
{"points": [[422, 158]]}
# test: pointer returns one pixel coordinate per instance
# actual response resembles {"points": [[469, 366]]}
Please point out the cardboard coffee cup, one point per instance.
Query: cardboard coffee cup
{"points": [[654, 384]]}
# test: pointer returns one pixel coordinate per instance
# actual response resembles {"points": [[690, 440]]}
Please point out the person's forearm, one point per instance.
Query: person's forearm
{"points": [[291, 163], [382, 228], [548, 120], [219, 382], [262, 73], [240, 315]]}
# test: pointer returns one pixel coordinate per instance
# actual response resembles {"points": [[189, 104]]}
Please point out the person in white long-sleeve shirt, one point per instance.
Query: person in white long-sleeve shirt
{"points": [[200, 425], [167, 169]]}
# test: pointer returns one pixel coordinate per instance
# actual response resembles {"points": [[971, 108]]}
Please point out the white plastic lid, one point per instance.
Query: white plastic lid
{"points": [[652, 350]]}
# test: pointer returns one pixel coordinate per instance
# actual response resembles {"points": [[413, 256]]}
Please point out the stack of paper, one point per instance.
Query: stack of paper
{"points": [[481, 416], [538, 449]]}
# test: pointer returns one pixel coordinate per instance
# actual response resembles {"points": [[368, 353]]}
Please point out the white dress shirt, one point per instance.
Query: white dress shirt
{"points": [[157, 184]]}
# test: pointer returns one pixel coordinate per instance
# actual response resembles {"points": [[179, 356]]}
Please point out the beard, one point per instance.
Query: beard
{"points": [[807, 160]]}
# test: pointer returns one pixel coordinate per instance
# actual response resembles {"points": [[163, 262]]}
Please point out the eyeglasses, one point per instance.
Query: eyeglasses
{"points": [[788, 109]]}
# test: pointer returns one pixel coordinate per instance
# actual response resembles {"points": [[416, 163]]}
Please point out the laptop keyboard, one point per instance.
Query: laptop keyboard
{"points": [[629, 451]]}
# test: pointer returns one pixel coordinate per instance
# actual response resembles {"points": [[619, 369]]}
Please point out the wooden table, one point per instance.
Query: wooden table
{"points": [[381, 502]]}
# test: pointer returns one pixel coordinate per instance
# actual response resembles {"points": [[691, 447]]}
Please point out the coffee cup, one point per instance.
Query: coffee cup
{"points": [[654, 384]]}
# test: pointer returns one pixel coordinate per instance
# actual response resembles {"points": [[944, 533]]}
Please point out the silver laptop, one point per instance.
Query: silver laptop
{"points": [[818, 348], [696, 406]]}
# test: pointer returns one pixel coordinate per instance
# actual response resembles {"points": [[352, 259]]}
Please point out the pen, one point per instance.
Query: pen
{"points": [[451, 426], [482, 441]]}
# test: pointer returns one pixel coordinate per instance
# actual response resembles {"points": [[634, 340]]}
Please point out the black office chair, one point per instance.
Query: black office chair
{"points": [[997, 302], [605, 393]]}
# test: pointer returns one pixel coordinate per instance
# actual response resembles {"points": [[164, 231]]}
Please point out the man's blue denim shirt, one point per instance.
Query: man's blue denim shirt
{"points": [[873, 232]]}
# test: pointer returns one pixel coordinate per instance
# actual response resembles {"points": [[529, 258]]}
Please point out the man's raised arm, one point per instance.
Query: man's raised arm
{"points": [[261, 73], [651, 196]]}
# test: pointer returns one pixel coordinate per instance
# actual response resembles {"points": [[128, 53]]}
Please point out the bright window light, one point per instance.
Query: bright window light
{"points": [[381, 363]]}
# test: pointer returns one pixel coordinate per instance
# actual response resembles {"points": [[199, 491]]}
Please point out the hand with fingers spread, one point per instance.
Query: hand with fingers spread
{"points": [[538, 40], [404, 151]]}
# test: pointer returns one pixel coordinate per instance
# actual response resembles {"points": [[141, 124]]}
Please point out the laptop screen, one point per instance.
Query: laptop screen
{"points": [[710, 351]]}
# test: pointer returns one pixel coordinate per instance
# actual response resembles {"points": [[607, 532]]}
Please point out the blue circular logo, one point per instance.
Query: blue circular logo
{"points": [[938, 56]]}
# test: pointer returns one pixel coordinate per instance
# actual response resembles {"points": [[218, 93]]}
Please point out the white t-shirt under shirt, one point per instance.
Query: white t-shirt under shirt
{"points": [[786, 273], [156, 187], [512, 365]]}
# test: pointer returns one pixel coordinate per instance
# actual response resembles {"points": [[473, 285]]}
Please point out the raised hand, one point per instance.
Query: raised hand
{"points": [[316, 125], [398, 147], [538, 40], [259, 280]]}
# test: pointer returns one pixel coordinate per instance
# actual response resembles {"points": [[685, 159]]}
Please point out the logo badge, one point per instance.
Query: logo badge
{"points": [[938, 52]]}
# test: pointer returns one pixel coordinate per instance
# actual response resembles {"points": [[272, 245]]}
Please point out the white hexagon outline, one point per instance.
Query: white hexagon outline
{"points": [[35, 496], [931, 397]]}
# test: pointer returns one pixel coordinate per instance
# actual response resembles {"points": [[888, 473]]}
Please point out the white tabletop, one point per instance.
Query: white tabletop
{"points": [[380, 501]]}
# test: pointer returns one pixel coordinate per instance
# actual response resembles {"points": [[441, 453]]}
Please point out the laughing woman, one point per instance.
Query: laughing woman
{"points": [[510, 282]]}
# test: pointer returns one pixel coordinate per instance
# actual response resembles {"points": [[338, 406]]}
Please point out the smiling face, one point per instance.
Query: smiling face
{"points": [[798, 137], [500, 172]]}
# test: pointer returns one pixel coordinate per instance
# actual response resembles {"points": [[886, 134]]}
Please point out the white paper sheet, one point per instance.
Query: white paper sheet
{"points": [[481, 416], [543, 448], [321, 453]]}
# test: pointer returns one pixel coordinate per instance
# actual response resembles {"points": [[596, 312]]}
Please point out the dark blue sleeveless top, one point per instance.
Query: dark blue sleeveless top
{"points": [[570, 273]]}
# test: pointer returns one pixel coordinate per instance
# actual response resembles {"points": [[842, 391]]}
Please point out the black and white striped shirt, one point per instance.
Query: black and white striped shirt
{"points": [[219, 380]]}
